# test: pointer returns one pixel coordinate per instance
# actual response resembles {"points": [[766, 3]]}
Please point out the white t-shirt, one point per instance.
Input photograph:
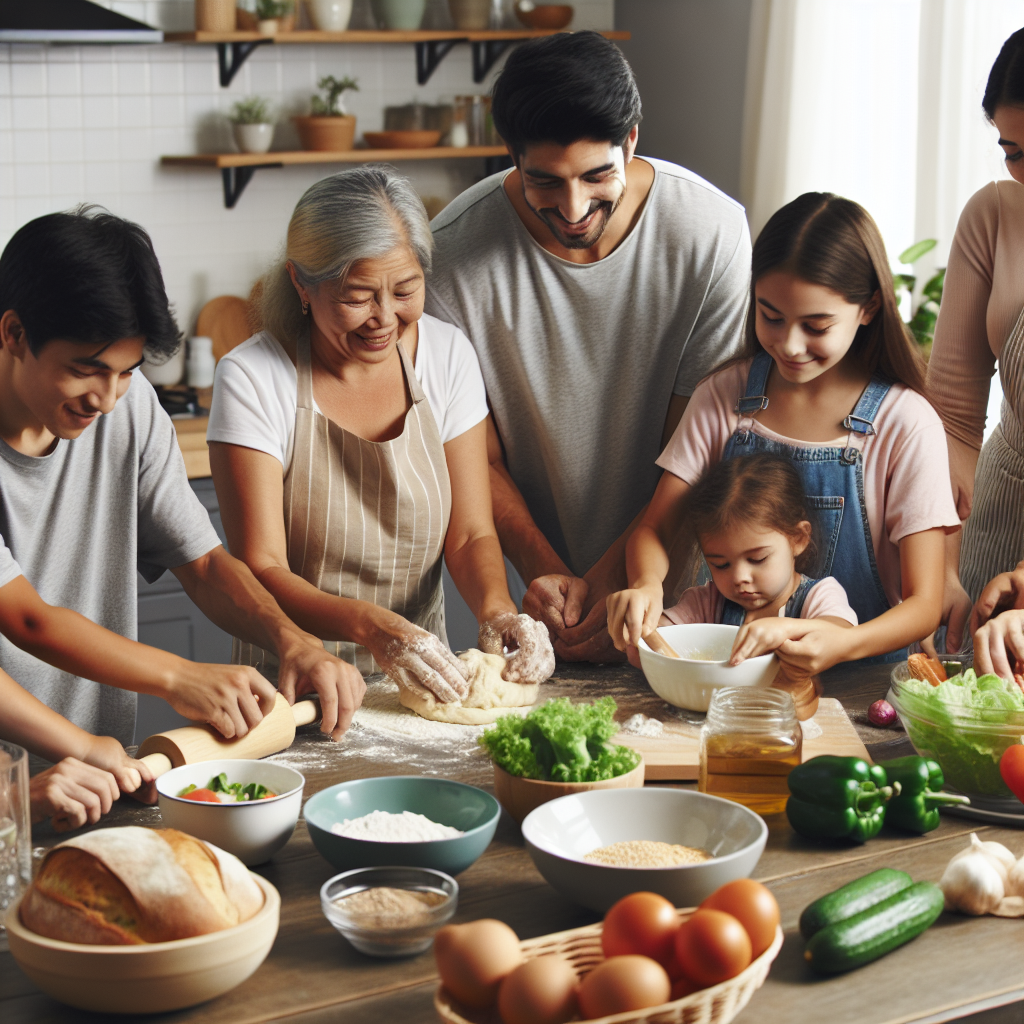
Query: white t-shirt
{"points": [[254, 392]]}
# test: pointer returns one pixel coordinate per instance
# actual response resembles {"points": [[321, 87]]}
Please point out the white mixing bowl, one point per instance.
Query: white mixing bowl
{"points": [[254, 831], [703, 649]]}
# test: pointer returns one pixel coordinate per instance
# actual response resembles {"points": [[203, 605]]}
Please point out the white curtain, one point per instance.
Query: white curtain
{"points": [[877, 100]]}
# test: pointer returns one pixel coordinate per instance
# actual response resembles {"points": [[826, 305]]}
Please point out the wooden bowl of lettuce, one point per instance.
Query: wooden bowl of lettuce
{"points": [[557, 749]]}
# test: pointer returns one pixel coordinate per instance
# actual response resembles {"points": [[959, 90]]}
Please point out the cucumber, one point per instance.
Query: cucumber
{"points": [[852, 899], [876, 931]]}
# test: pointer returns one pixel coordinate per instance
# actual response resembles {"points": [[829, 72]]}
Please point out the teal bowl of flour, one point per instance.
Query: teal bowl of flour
{"points": [[466, 808]]}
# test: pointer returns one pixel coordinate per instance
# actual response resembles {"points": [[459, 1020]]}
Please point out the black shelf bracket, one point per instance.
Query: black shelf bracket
{"points": [[229, 67], [236, 178], [429, 55], [485, 53]]}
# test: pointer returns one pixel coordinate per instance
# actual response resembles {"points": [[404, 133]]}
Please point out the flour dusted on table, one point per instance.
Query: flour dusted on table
{"points": [[641, 725], [385, 827]]}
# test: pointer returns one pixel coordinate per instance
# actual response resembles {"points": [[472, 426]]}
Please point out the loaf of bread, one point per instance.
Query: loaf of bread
{"points": [[124, 886]]}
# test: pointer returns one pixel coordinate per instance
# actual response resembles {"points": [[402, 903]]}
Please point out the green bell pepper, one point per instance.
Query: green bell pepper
{"points": [[838, 798], [916, 809]]}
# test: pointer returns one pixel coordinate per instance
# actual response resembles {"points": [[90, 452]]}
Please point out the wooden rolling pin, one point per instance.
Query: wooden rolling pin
{"points": [[166, 750]]}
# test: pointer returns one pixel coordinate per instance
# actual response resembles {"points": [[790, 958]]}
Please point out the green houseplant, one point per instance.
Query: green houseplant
{"points": [[926, 312], [329, 128], [252, 124], [275, 16]]}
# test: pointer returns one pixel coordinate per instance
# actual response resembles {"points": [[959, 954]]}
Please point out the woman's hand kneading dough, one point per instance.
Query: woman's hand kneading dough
{"points": [[530, 658], [406, 652], [71, 794]]}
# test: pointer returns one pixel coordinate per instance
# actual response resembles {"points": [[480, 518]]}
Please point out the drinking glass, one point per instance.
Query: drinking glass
{"points": [[15, 829]]}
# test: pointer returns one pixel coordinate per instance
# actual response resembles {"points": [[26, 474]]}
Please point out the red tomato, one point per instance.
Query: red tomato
{"points": [[1011, 767], [753, 906], [268, 796], [202, 795], [643, 924], [712, 946]]}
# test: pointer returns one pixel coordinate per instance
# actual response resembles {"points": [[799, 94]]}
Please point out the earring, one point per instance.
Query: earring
{"points": [[305, 309]]}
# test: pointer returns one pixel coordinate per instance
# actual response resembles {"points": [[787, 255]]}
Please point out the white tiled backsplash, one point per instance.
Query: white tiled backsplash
{"points": [[89, 124]]}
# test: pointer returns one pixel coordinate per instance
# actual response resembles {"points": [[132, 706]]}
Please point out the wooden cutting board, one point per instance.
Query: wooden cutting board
{"points": [[674, 754]]}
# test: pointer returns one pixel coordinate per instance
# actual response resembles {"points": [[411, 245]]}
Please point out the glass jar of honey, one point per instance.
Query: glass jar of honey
{"points": [[749, 742]]}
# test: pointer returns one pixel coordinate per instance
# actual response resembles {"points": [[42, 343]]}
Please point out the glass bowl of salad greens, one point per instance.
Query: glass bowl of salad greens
{"points": [[964, 723], [246, 807]]}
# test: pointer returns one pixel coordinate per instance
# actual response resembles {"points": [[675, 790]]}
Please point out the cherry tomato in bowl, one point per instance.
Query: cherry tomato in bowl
{"points": [[203, 796], [1011, 767]]}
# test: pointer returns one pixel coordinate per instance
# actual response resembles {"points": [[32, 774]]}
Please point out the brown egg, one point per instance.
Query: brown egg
{"points": [[711, 947], [753, 906], [540, 991], [621, 984], [473, 958]]}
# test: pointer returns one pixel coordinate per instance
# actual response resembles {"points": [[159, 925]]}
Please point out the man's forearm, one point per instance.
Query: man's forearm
{"points": [[229, 595], [77, 645], [522, 542]]}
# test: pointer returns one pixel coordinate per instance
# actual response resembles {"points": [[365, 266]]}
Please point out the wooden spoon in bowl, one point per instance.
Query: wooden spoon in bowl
{"points": [[658, 643]]}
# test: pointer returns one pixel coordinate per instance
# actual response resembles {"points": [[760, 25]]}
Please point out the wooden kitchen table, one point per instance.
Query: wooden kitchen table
{"points": [[960, 967]]}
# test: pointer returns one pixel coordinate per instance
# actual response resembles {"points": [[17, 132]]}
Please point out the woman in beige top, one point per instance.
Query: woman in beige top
{"points": [[980, 322]]}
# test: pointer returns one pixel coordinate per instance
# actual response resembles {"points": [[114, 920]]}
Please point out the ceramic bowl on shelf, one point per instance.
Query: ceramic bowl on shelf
{"points": [[399, 15], [544, 16], [330, 15], [471, 810], [519, 796], [152, 977], [395, 937], [560, 833], [253, 831], [402, 140], [253, 138], [703, 648]]}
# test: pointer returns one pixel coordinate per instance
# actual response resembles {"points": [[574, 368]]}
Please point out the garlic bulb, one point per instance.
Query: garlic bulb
{"points": [[1015, 879], [976, 881]]}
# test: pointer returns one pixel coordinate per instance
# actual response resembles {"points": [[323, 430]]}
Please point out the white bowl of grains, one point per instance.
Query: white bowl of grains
{"points": [[389, 912], [599, 846]]}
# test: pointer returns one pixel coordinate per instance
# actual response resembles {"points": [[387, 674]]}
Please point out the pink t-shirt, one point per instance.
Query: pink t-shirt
{"points": [[705, 604], [906, 467]]}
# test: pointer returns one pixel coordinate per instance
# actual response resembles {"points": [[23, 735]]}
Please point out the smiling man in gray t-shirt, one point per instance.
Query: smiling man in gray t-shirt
{"points": [[597, 289]]}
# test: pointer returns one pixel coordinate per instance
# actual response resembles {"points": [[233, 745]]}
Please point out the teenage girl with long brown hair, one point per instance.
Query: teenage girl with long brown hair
{"points": [[833, 381]]}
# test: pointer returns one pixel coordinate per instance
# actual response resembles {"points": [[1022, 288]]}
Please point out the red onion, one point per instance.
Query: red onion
{"points": [[882, 714]]}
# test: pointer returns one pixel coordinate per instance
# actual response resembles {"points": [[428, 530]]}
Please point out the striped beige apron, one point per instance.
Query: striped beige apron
{"points": [[365, 519], [994, 533]]}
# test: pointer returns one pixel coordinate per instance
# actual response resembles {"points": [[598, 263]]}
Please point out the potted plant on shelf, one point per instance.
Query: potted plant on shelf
{"points": [[330, 127], [251, 124], [275, 16]]}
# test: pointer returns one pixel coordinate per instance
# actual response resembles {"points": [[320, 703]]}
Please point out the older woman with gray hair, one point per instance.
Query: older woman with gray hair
{"points": [[348, 446]]}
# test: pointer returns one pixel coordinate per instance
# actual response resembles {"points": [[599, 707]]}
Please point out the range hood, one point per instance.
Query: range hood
{"points": [[69, 21]]}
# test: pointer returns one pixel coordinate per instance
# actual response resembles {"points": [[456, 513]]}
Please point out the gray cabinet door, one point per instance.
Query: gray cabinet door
{"points": [[170, 621]]}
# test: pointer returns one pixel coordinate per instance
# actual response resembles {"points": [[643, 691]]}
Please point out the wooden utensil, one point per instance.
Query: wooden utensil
{"points": [[166, 750], [227, 320], [658, 643]]}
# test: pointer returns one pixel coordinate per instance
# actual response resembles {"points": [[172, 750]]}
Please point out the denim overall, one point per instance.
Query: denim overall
{"points": [[833, 480], [734, 615]]}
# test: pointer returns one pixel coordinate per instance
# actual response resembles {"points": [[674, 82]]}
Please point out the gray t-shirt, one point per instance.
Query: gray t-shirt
{"points": [[77, 522], [580, 360]]}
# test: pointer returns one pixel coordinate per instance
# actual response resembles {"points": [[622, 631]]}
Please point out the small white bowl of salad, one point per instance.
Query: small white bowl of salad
{"points": [[248, 808]]}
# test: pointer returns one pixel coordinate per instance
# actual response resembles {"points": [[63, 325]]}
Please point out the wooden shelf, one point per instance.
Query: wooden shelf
{"points": [[237, 169], [348, 156], [431, 45], [374, 36]]}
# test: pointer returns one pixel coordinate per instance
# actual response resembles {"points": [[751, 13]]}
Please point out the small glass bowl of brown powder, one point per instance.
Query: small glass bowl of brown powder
{"points": [[389, 912]]}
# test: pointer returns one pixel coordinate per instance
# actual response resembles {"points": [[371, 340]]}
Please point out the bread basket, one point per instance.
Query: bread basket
{"points": [[582, 948]]}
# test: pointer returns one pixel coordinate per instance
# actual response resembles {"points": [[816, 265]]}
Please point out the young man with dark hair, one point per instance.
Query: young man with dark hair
{"points": [[93, 488], [597, 288]]}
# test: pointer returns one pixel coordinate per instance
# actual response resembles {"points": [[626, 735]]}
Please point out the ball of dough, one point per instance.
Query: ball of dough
{"points": [[488, 699]]}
